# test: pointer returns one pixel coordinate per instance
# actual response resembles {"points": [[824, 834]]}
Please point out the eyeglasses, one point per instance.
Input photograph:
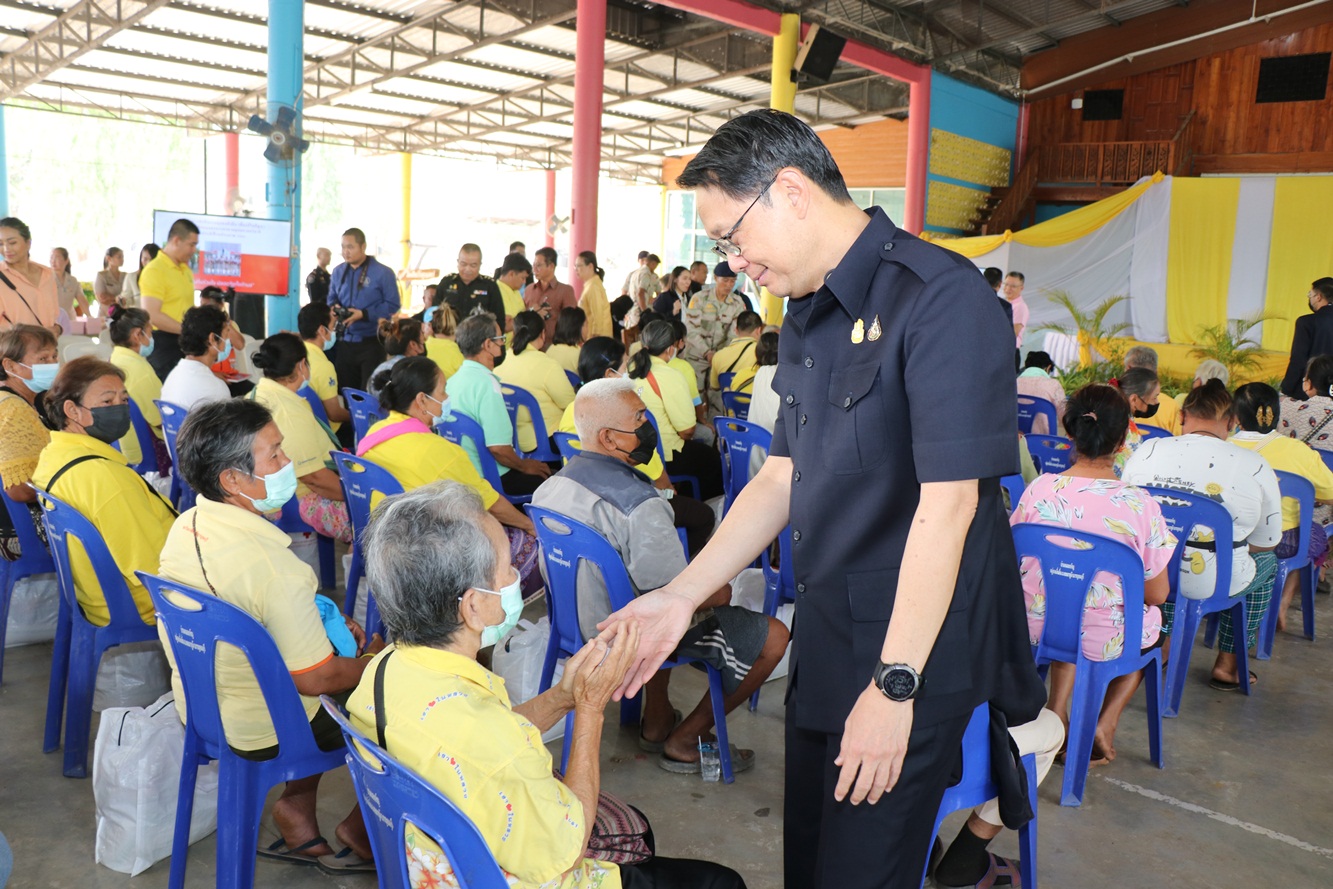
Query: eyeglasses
{"points": [[723, 246]]}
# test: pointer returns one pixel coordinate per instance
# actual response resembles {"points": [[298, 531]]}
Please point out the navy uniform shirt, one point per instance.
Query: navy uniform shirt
{"points": [[481, 295], [373, 289], [897, 372]]}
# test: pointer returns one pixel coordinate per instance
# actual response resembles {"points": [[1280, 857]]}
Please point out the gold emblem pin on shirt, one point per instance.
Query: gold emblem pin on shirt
{"points": [[858, 331], [875, 330]]}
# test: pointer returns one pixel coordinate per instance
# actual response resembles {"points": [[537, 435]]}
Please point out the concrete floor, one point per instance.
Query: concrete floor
{"points": [[1243, 801]]}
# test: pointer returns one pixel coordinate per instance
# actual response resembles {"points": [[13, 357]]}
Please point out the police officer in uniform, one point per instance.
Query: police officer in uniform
{"points": [[910, 610], [468, 291]]}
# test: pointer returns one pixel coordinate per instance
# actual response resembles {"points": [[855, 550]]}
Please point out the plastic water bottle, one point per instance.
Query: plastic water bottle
{"points": [[710, 761]]}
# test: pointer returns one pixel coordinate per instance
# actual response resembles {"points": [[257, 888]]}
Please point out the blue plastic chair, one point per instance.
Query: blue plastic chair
{"points": [[675, 479], [1301, 490], [739, 438], [1152, 431], [35, 560], [391, 796], [1051, 453], [316, 405], [143, 433], [1184, 511], [517, 397], [365, 410], [79, 644], [574, 379], [173, 415], [724, 380], [1068, 560], [977, 786], [459, 428], [361, 480], [779, 586], [567, 443], [737, 404], [195, 632], [1014, 485], [1326, 456], [565, 544], [290, 521], [1030, 407]]}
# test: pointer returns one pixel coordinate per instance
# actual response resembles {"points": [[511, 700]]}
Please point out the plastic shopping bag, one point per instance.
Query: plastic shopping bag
{"points": [[33, 611], [518, 659], [136, 775], [132, 675]]}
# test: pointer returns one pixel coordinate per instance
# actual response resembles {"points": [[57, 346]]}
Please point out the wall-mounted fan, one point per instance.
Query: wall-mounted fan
{"points": [[283, 142]]}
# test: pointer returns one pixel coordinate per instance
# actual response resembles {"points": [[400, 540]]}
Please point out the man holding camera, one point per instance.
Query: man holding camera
{"points": [[546, 295], [362, 294]]}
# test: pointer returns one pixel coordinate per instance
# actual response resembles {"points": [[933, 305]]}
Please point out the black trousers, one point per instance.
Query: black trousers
{"points": [[697, 518], [679, 873], [832, 845], [355, 362], [518, 483], [166, 353], [702, 462]]}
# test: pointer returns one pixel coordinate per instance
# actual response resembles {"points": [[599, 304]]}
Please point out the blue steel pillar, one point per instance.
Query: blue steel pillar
{"points": [[4, 168], [286, 32]]}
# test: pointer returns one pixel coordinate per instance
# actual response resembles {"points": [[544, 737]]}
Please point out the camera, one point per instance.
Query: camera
{"points": [[340, 315]]}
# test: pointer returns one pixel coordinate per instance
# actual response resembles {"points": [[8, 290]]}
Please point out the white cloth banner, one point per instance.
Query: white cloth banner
{"points": [[1147, 276], [1248, 288]]}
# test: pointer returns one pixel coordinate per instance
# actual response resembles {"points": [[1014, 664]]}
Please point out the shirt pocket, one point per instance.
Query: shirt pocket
{"points": [[854, 436], [789, 401]]}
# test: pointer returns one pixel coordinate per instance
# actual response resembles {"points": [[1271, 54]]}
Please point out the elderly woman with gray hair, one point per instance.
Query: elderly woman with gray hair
{"points": [[231, 455], [439, 564]]}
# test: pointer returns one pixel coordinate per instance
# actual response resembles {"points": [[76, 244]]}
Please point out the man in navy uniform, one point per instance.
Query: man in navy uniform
{"points": [[1313, 336], [910, 610]]}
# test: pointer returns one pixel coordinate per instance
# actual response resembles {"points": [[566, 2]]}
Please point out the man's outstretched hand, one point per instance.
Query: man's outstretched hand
{"points": [[662, 618]]}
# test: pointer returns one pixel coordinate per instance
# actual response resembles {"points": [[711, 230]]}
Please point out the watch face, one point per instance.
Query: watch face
{"points": [[899, 684]]}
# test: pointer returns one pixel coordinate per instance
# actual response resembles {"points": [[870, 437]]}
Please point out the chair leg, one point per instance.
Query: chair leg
{"points": [[354, 571], [1309, 582], [1263, 648], [328, 568], [1085, 706], [1153, 690], [1027, 834], [55, 693], [374, 623], [568, 741], [1240, 633], [1210, 631], [84, 657], [240, 808], [6, 593], [720, 723], [1182, 644], [631, 709], [180, 842]]}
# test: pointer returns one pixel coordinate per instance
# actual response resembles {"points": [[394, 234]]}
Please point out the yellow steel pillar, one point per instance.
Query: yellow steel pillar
{"points": [[782, 98], [405, 284]]}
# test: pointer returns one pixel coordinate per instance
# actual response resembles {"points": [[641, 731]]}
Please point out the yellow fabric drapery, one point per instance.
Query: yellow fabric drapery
{"points": [[1300, 250], [1054, 232], [1198, 269]]}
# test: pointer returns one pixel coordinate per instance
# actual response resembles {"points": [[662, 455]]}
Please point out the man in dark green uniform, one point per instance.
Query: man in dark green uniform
{"points": [[468, 291]]}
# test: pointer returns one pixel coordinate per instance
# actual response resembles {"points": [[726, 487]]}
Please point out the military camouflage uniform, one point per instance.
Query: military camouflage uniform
{"points": [[708, 325]]}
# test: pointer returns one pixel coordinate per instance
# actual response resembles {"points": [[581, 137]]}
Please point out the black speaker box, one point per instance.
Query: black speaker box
{"points": [[818, 55]]}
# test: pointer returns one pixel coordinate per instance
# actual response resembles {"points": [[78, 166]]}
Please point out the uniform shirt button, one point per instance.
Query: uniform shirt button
{"points": [[809, 362], [888, 245], [803, 418], [800, 587], [797, 476], [795, 535], [791, 399], [847, 402]]}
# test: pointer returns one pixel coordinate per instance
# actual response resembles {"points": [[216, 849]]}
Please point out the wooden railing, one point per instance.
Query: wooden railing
{"points": [[1007, 212]]}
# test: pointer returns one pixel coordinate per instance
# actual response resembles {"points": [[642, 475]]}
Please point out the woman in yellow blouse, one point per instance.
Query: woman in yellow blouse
{"points": [[27, 368], [305, 439], [532, 369], [89, 405], [593, 300], [132, 335], [27, 288], [571, 332], [441, 347]]}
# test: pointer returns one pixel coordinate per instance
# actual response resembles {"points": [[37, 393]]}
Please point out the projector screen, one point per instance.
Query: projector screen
{"points": [[248, 254]]}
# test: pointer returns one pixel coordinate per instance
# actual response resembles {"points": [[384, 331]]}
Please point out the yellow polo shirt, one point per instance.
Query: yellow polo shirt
{"points": [[248, 561], [566, 356], [445, 353], [449, 719], [144, 388], [133, 520], [737, 355], [538, 373], [653, 468], [323, 378], [671, 409], [304, 440], [691, 379], [170, 281], [1289, 455], [594, 304], [419, 458], [1167, 416], [513, 305]]}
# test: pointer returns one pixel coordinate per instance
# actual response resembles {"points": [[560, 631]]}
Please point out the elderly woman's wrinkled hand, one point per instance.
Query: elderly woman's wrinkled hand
{"points": [[598, 676]]}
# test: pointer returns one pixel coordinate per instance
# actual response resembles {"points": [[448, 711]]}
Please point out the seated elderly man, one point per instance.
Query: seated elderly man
{"points": [[1168, 414], [231, 455], [440, 568], [601, 488]]}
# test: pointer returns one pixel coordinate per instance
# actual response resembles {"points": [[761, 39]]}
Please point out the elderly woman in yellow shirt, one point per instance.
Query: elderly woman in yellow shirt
{"points": [[282, 357], [532, 369], [132, 333], [441, 347], [450, 719], [27, 369], [593, 300], [89, 405], [406, 445]]}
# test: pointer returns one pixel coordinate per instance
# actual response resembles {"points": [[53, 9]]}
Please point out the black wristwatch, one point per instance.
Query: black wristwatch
{"points": [[898, 682]]}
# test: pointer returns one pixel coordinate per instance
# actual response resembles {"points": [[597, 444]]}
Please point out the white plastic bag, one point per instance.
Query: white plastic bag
{"points": [[136, 775], [747, 591], [33, 611], [132, 675], [305, 546], [518, 659]]}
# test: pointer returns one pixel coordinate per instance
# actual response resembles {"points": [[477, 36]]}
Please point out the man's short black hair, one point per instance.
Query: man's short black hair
{"points": [[357, 235], [517, 245], [1324, 286], [1018, 275], [747, 321], [746, 152], [993, 276], [548, 254], [515, 262], [182, 229], [311, 318]]}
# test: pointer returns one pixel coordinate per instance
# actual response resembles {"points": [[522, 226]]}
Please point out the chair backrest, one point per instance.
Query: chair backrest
{"points": [[725, 378], [316, 405], [737, 404], [651, 419], [173, 415], [1183, 512], [1051, 453], [739, 438], [62, 522], [1069, 561], [783, 578], [361, 480], [365, 410], [568, 443], [574, 379], [1300, 489], [392, 795], [1029, 408], [565, 543], [194, 633], [78, 347], [245, 359], [459, 428], [143, 434], [1152, 431], [1014, 485], [36, 558], [517, 397], [1326, 456]]}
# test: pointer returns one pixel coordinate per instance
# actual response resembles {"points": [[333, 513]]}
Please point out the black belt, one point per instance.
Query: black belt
{"points": [[1211, 545]]}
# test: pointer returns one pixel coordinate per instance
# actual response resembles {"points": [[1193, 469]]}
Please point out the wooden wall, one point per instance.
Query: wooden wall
{"points": [[873, 155], [1220, 89]]}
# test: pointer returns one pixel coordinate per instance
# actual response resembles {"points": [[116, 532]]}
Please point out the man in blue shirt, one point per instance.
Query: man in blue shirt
{"points": [[368, 291]]}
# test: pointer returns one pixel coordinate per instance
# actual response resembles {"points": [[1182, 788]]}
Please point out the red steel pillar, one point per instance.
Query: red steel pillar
{"points": [[550, 207], [918, 153], [588, 85]]}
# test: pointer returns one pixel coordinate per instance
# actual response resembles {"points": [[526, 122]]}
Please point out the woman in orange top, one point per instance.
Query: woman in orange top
{"points": [[27, 288]]}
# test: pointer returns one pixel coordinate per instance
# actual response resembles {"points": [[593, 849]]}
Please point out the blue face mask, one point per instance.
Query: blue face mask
{"points": [[147, 350], [226, 351], [43, 375], [329, 343], [446, 412], [511, 599], [279, 487]]}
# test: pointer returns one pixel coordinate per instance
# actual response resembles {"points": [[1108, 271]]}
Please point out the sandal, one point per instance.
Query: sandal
{"points": [[1001, 872], [1223, 685], [741, 760], [658, 746], [280, 851], [346, 862]]}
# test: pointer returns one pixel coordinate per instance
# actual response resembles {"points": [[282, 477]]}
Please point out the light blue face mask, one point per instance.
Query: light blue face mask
{"points": [[279, 487], [329, 343], [147, 350], [43, 375], [226, 351], [446, 412], [511, 599]]}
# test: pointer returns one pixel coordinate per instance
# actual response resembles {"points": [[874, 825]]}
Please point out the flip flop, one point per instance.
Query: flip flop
{"points": [[741, 761], [345, 862], [279, 851], [1001, 872], [1223, 685], [658, 746]]}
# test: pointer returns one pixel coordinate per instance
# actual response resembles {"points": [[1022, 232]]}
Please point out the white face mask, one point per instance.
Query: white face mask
{"points": [[511, 599]]}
